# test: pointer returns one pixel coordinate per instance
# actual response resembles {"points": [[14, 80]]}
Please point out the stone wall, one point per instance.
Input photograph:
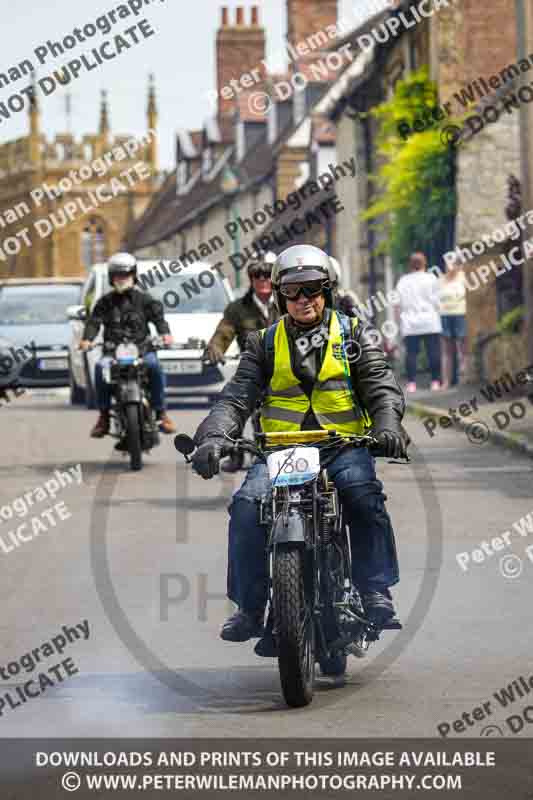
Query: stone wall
{"points": [[503, 352], [484, 165]]}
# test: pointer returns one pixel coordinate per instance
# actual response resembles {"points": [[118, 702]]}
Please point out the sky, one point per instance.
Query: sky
{"points": [[181, 55]]}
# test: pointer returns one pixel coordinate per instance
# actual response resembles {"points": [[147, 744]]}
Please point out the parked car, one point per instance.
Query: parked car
{"points": [[194, 302], [33, 317]]}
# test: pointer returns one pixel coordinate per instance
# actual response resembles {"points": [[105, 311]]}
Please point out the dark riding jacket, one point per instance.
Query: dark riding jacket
{"points": [[126, 315], [372, 379]]}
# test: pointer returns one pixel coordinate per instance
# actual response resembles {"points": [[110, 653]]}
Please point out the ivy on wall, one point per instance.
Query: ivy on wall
{"points": [[416, 179]]}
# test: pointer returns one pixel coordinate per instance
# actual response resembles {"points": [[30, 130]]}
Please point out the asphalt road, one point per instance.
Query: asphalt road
{"points": [[142, 560]]}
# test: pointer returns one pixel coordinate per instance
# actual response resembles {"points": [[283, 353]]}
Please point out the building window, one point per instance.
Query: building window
{"points": [[207, 160], [181, 176], [93, 246], [299, 106]]}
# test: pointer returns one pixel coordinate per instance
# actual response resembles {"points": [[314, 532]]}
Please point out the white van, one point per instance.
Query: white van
{"points": [[194, 301]]}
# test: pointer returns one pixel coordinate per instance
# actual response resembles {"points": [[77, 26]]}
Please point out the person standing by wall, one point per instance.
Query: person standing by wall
{"points": [[452, 292], [417, 312]]}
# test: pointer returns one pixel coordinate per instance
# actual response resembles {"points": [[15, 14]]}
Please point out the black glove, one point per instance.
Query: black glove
{"points": [[392, 444], [207, 457], [214, 354]]}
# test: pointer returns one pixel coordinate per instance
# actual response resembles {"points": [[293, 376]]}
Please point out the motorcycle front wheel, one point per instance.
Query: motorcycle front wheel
{"points": [[294, 626], [133, 428]]}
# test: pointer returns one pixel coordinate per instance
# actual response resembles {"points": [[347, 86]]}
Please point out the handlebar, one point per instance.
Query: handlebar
{"points": [[287, 438], [155, 341], [270, 441]]}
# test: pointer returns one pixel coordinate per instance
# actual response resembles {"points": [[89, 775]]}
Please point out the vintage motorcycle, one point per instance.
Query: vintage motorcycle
{"points": [[315, 614], [132, 420]]}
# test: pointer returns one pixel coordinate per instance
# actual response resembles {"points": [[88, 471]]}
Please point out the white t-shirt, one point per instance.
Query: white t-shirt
{"points": [[419, 304]]}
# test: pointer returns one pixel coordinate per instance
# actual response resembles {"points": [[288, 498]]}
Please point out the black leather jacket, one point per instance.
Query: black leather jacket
{"points": [[372, 378], [126, 315]]}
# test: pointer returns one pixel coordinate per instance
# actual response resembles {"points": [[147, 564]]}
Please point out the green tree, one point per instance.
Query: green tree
{"points": [[416, 180]]}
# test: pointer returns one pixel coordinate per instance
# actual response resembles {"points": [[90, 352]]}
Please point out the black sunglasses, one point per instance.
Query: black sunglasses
{"points": [[261, 273], [311, 289]]}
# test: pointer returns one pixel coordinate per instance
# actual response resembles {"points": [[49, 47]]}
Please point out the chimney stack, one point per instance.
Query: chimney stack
{"points": [[241, 49], [309, 17]]}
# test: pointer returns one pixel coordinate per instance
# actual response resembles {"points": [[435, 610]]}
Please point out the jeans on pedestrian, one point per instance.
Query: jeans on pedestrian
{"points": [[431, 343], [156, 378], [374, 559]]}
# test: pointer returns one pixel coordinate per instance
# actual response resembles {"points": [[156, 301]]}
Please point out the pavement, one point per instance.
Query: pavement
{"points": [[142, 560], [505, 421]]}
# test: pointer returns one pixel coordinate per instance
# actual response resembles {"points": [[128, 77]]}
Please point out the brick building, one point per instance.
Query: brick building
{"points": [[250, 153], [476, 46], [461, 44], [37, 236]]}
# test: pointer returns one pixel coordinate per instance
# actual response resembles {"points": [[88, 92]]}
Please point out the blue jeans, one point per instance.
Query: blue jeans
{"points": [[156, 378], [374, 559], [432, 345]]}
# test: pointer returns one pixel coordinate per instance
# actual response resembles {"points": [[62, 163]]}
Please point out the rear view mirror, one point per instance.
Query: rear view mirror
{"points": [[184, 444], [77, 312]]}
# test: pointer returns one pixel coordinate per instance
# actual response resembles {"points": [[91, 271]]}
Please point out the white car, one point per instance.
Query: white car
{"points": [[194, 301]]}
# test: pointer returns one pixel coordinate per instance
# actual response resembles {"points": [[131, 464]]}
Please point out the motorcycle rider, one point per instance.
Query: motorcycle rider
{"points": [[253, 311], [249, 313], [127, 311], [336, 383]]}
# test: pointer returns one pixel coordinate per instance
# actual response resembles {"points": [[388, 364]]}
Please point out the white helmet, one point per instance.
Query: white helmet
{"points": [[121, 264], [303, 262], [337, 267], [265, 264]]}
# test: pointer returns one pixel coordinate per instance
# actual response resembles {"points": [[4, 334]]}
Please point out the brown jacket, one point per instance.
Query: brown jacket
{"points": [[241, 317]]}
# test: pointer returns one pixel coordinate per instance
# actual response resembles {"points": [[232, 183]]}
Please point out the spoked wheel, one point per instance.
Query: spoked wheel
{"points": [[335, 663], [294, 627], [134, 436]]}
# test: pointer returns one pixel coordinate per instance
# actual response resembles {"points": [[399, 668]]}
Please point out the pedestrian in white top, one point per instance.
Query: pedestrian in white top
{"points": [[419, 317]]}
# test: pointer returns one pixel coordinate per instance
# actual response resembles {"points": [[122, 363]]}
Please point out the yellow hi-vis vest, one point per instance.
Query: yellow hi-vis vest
{"points": [[286, 404]]}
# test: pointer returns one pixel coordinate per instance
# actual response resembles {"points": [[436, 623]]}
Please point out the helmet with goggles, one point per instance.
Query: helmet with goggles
{"points": [[303, 269], [263, 267]]}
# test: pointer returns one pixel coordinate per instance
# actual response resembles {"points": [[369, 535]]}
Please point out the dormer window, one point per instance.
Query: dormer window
{"points": [[240, 141], [207, 160], [272, 122], [182, 176], [299, 106]]}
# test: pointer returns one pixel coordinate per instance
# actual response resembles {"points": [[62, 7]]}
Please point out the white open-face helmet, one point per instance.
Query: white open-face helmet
{"points": [[121, 264], [337, 267], [300, 264]]}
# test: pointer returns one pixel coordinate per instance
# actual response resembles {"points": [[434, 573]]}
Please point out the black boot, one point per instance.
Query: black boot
{"points": [[101, 428], [243, 626], [267, 646], [378, 606]]}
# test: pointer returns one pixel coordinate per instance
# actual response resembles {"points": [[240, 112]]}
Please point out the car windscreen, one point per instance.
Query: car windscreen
{"points": [[35, 305], [193, 293]]}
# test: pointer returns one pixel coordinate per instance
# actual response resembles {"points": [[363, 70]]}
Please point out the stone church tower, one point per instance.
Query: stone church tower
{"points": [[65, 205]]}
